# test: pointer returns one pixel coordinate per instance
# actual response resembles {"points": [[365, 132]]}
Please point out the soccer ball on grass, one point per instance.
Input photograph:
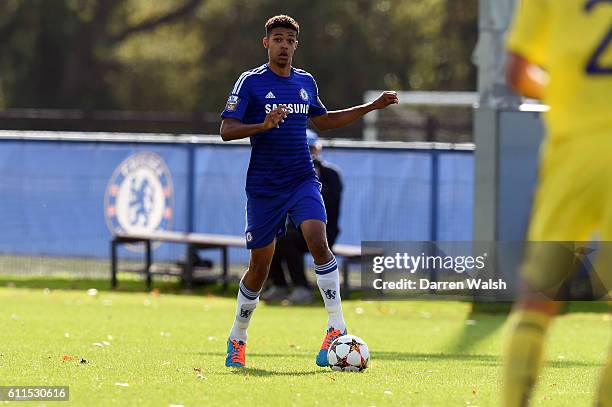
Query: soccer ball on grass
{"points": [[348, 353]]}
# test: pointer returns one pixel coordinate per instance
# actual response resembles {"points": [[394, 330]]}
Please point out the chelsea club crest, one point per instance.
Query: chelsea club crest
{"points": [[304, 95], [140, 195]]}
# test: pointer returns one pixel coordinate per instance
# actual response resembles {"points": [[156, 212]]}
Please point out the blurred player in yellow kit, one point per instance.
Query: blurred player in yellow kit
{"points": [[560, 51]]}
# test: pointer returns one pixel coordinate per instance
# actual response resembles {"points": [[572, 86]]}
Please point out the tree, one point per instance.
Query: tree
{"points": [[184, 55], [349, 45], [58, 54]]}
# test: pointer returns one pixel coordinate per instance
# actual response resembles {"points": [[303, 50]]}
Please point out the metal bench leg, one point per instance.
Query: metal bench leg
{"points": [[113, 264], [345, 276], [225, 262], [148, 263], [188, 272]]}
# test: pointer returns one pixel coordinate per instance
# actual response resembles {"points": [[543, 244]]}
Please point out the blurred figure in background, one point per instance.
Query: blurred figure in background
{"points": [[291, 248], [559, 53]]}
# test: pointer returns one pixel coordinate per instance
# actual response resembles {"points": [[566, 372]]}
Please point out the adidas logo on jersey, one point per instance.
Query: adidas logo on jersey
{"points": [[270, 95]]}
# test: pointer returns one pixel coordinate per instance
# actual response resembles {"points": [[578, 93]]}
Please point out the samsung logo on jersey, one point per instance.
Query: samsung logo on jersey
{"points": [[300, 108]]}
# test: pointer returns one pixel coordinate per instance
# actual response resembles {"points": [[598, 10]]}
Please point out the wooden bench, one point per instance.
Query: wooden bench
{"points": [[202, 241]]}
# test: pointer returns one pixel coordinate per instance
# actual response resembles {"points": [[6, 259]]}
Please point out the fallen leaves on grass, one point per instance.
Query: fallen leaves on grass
{"points": [[199, 373], [67, 358], [101, 344], [384, 310]]}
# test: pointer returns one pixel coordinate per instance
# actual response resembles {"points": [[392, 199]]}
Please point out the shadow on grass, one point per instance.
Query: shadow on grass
{"points": [[250, 371], [492, 360], [480, 324], [485, 319], [472, 359], [300, 355], [129, 285]]}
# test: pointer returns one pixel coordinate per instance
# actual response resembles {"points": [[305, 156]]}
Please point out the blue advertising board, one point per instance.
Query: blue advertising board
{"points": [[63, 197]]}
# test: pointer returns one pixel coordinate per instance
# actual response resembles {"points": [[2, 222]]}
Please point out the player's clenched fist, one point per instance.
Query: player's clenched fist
{"points": [[275, 117], [385, 99]]}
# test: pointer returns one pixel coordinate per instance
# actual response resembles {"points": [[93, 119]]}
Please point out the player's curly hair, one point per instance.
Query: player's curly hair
{"points": [[283, 21]]}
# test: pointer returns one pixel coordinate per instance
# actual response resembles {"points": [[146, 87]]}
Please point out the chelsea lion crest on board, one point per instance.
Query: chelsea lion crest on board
{"points": [[140, 195]]}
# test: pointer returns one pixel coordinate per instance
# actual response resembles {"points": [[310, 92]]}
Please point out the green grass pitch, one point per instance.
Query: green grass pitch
{"points": [[162, 350]]}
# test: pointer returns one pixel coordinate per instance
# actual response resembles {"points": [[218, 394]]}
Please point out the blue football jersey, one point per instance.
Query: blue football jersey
{"points": [[280, 159]]}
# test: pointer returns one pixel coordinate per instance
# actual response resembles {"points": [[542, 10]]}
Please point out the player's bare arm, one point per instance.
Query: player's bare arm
{"points": [[526, 78], [234, 129], [340, 118]]}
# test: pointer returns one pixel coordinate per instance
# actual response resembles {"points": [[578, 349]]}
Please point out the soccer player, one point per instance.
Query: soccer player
{"points": [[271, 104], [291, 248], [560, 52]]}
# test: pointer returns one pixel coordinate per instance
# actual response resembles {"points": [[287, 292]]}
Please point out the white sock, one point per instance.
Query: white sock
{"points": [[328, 280], [247, 301]]}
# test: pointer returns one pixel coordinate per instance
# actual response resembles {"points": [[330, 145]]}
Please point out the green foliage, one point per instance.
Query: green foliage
{"points": [[350, 46], [184, 55]]}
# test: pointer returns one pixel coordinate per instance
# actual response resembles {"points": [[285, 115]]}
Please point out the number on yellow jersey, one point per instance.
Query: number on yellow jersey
{"points": [[593, 67]]}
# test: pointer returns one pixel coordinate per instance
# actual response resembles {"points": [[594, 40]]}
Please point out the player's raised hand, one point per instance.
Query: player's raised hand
{"points": [[275, 117], [385, 99]]}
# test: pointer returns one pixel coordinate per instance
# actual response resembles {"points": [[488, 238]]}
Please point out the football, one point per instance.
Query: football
{"points": [[348, 353]]}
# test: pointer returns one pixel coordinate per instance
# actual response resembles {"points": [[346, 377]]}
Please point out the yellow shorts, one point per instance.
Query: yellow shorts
{"points": [[573, 203], [573, 198]]}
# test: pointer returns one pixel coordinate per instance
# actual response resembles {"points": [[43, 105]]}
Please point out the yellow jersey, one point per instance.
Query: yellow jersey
{"points": [[572, 41]]}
